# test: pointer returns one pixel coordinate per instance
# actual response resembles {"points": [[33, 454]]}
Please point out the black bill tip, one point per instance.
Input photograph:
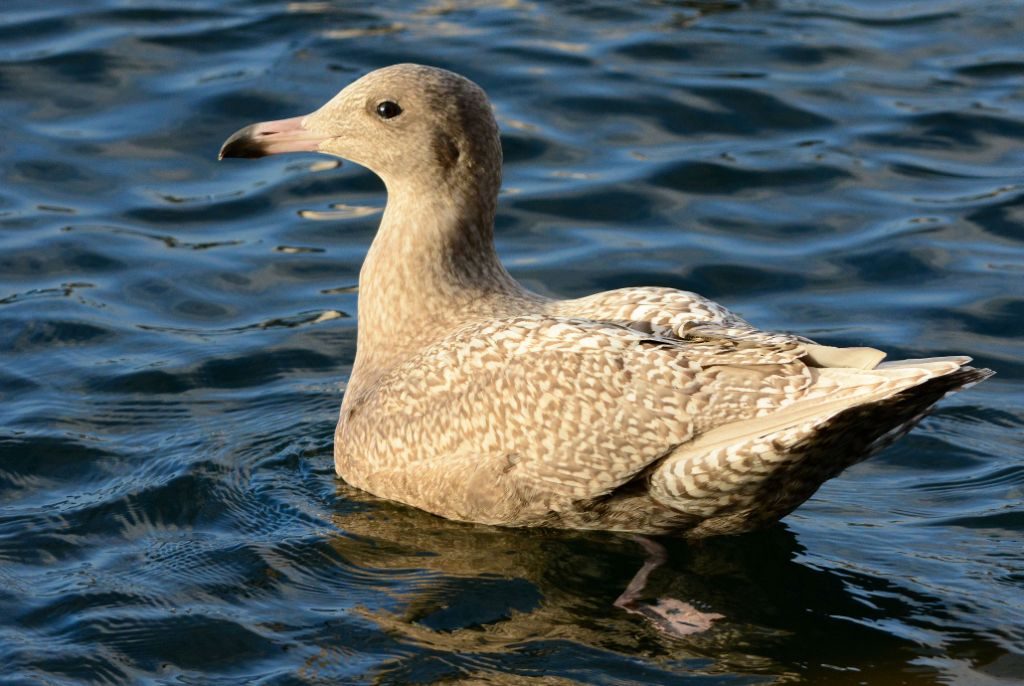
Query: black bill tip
{"points": [[243, 143]]}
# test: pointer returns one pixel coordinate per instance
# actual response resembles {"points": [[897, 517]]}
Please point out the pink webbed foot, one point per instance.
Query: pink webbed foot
{"points": [[672, 616]]}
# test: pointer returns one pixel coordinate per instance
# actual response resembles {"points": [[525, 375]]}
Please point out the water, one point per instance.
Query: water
{"points": [[175, 333]]}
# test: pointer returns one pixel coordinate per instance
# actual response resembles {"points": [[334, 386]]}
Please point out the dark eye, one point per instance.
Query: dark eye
{"points": [[388, 109]]}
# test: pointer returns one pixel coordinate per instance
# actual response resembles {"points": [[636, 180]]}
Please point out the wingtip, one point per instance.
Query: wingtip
{"points": [[978, 374]]}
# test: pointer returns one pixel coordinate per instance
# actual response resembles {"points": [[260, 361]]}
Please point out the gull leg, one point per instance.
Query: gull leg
{"points": [[669, 615], [656, 556]]}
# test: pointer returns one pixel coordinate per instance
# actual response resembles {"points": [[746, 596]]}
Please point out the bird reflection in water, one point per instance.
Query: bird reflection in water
{"points": [[719, 604]]}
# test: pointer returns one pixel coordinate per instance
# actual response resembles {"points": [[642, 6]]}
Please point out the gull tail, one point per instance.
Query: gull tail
{"points": [[747, 475]]}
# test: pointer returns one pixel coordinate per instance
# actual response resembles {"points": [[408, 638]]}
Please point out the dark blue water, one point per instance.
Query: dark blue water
{"points": [[175, 335]]}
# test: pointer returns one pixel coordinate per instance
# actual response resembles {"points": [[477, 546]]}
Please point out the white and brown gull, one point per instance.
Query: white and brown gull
{"points": [[650, 410]]}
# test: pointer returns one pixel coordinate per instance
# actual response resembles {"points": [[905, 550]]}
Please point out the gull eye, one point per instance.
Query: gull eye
{"points": [[388, 110]]}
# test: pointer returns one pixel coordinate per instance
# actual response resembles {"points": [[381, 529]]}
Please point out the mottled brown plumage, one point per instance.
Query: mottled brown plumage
{"points": [[642, 409]]}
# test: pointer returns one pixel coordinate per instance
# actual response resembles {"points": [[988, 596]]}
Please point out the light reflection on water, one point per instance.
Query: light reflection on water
{"points": [[176, 334]]}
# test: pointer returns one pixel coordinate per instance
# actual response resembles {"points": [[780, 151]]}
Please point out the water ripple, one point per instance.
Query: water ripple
{"points": [[176, 334]]}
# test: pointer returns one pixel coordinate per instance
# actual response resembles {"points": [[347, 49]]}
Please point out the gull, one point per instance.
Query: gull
{"points": [[645, 410]]}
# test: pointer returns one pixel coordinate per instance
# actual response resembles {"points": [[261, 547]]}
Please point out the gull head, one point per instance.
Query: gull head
{"points": [[407, 123]]}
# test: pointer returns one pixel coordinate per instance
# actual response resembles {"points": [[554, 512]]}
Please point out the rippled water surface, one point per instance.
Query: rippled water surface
{"points": [[175, 335]]}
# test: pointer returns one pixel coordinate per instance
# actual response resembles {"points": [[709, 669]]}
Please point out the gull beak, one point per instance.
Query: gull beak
{"points": [[271, 138]]}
